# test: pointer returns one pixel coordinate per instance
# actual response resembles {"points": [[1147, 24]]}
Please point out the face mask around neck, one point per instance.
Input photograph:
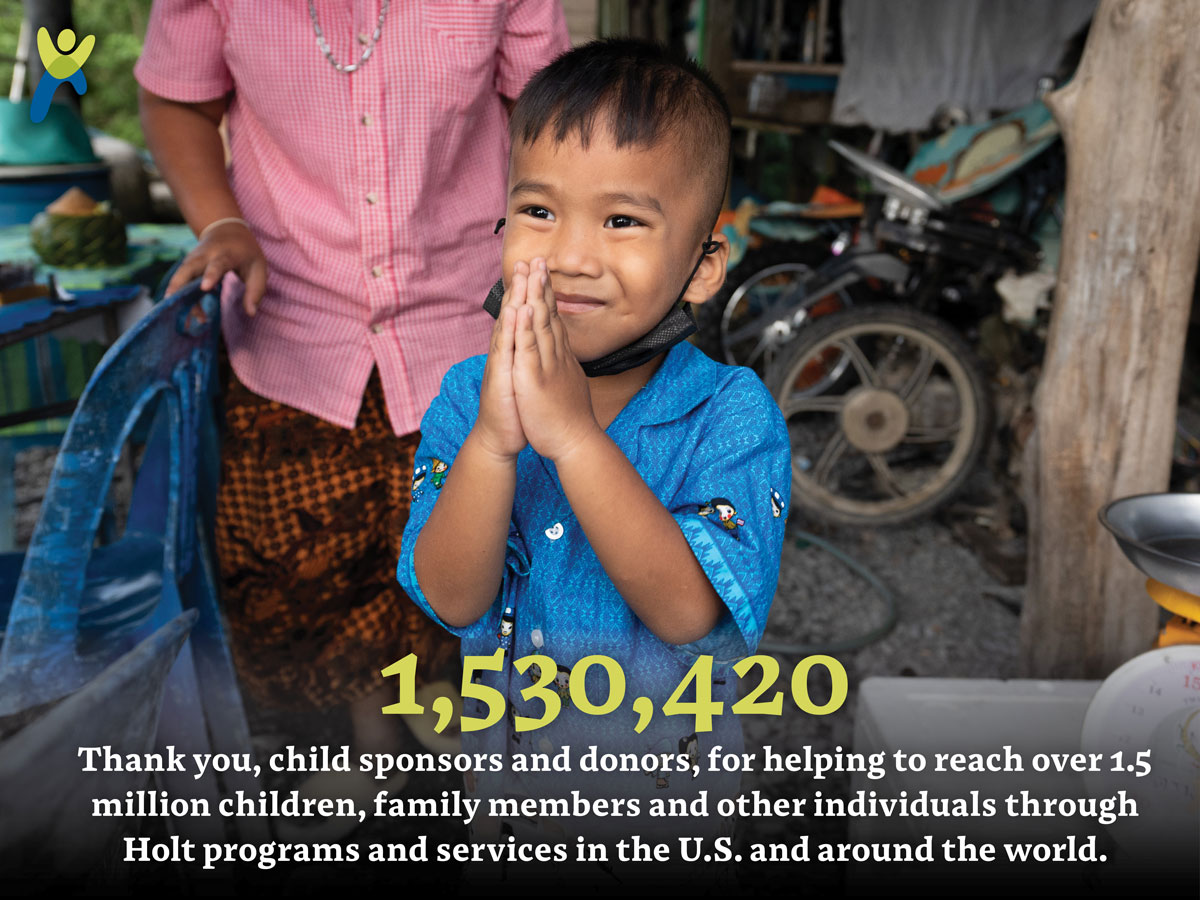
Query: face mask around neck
{"points": [[675, 326]]}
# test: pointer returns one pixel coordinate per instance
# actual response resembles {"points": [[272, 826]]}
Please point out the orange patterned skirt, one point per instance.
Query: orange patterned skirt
{"points": [[309, 520]]}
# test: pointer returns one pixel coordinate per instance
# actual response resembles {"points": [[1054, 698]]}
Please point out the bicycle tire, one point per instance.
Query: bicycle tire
{"points": [[853, 406]]}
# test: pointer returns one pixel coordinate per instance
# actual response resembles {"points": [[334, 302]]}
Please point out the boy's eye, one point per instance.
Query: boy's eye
{"points": [[621, 222], [539, 212]]}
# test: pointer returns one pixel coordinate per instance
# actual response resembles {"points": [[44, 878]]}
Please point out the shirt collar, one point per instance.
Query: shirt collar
{"points": [[686, 379]]}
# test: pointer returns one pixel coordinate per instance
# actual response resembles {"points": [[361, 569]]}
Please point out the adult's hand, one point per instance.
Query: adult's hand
{"points": [[230, 247], [186, 143]]}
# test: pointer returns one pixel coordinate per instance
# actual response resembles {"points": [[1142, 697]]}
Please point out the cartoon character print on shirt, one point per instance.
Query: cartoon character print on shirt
{"points": [[562, 684], [534, 672], [776, 503], [438, 472], [507, 623], [419, 474], [689, 746], [726, 515]]}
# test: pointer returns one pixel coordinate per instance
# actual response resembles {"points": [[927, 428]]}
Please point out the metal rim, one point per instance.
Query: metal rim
{"points": [[811, 474]]}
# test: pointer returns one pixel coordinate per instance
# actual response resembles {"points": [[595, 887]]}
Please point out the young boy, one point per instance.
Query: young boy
{"points": [[635, 514]]}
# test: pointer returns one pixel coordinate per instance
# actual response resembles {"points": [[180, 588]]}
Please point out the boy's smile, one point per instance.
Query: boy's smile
{"points": [[619, 229]]}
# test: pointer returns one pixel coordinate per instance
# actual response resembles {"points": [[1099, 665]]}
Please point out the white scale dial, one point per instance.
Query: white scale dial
{"points": [[1151, 703]]}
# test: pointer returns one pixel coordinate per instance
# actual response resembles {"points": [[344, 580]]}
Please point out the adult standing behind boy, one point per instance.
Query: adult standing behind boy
{"points": [[367, 168]]}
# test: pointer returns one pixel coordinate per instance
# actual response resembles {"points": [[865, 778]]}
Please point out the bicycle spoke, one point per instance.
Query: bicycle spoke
{"points": [[884, 472], [862, 365], [830, 455], [754, 355], [915, 383], [802, 404], [757, 327]]}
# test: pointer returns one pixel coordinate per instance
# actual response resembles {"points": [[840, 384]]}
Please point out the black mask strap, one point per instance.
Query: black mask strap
{"points": [[677, 325]]}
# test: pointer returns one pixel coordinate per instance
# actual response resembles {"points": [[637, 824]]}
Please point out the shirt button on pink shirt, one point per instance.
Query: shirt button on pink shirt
{"points": [[332, 186]]}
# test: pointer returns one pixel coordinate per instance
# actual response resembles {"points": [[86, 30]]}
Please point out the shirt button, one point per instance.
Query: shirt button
{"points": [[377, 329], [376, 271], [372, 197], [366, 119], [363, 37]]}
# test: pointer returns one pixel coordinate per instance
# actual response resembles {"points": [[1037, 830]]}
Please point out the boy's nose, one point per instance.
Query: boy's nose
{"points": [[573, 252]]}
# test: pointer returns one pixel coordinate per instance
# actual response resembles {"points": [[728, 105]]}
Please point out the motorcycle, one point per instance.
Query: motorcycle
{"points": [[886, 405]]}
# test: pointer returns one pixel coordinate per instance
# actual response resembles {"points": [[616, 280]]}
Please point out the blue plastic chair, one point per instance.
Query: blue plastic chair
{"points": [[75, 607], [50, 831]]}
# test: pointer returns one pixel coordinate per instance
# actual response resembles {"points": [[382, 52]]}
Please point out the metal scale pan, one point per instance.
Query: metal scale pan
{"points": [[1160, 534]]}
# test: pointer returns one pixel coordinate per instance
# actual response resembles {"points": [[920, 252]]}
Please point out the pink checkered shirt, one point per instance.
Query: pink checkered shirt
{"points": [[373, 194]]}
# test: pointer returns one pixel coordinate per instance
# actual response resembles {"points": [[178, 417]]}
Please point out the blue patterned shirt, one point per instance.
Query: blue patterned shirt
{"points": [[711, 444]]}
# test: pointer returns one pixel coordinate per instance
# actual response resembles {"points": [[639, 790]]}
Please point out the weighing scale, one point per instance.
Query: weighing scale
{"points": [[1152, 702]]}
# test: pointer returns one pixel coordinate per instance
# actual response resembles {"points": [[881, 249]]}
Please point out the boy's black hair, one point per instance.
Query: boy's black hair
{"points": [[645, 92]]}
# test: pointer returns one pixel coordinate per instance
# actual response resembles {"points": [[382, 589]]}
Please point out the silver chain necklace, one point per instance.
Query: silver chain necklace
{"points": [[324, 46]]}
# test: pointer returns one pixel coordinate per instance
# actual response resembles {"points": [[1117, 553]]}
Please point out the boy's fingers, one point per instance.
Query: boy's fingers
{"points": [[498, 326], [516, 290], [504, 352], [515, 295], [551, 303], [543, 330], [497, 334], [502, 338], [557, 328], [524, 341], [511, 295], [541, 312], [548, 294], [533, 287]]}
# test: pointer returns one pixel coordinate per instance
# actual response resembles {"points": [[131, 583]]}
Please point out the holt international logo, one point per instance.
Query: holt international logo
{"points": [[62, 64]]}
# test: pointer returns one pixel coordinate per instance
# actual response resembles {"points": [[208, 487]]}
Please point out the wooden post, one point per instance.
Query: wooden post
{"points": [[1105, 406]]}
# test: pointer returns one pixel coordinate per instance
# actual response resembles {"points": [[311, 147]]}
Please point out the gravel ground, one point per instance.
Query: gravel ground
{"points": [[949, 624]]}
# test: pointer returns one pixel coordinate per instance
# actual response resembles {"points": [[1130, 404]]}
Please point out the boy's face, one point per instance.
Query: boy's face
{"points": [[618, 230]]}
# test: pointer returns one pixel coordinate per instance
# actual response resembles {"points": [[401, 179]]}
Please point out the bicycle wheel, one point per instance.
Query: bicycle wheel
{"points": [[746, 322], [897, 431]]}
